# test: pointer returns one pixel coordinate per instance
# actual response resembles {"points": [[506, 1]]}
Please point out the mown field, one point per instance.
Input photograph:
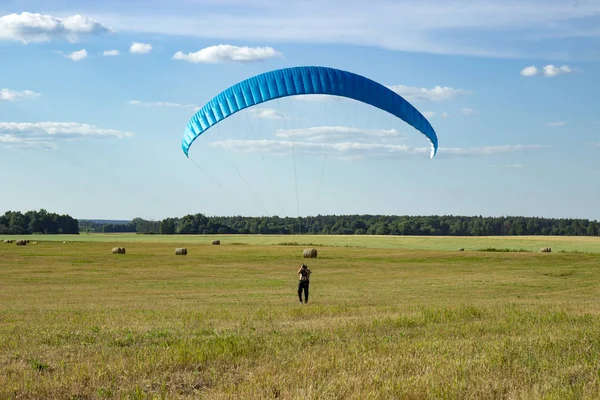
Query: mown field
{"points": [[410, 319], [530, 243]]}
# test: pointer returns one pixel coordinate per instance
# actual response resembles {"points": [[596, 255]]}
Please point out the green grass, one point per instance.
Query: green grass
{"points": [[223, 322], [529, 243]]}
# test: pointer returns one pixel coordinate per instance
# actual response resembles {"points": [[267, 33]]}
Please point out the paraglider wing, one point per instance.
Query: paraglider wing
{"points": [[304, 80]]}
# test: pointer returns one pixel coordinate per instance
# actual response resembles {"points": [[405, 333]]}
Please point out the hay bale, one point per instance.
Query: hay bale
{"points": [[216, 242], [118, 250], [545, 250], [21, 242], [461, 249], [181, 251], [309, 253]]}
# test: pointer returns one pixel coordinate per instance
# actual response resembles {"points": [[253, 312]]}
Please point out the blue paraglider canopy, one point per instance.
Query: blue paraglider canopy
{"points": [[304, 80]]}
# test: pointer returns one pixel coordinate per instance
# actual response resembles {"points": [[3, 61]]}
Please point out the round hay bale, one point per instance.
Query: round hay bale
{"points": [[21, 242], [309, 253], [216, 242], [461, 249], [181, 251], [118, 250], [545, 250]]}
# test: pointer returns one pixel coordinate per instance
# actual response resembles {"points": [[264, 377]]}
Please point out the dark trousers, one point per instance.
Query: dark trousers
{"points": [[303, 285]]}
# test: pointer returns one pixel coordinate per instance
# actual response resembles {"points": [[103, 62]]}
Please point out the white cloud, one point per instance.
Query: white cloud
{"points": [[11, 95], [529, 71], [25, 142], [42, 134], [467, 111], [340, 133], [77, 55], [556, 124], [429, 114], [319, 97], [342, 149], [265, 113], [111, 53], [445, 115], [487, 150], [140, 48], [547, 70], [226, 52], [36, 28], [164, 104], [551, 70], [594, 143], [437, 93], [359, 150]]}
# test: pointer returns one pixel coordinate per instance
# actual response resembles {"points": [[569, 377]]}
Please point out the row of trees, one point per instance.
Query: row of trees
{"points": [[17, 223], [14, 222], [361, 225]]}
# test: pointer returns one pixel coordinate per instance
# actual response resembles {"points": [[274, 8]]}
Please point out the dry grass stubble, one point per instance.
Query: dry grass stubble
{"points": [[78, 322]]}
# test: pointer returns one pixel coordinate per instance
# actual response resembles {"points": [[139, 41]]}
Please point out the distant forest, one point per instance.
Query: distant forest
{"points": [[17, 223], [43, 222], [355, 225]]}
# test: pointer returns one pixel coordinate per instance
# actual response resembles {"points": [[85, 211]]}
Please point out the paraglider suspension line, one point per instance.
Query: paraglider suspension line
{"points": [[214, 180], [294, 162]]}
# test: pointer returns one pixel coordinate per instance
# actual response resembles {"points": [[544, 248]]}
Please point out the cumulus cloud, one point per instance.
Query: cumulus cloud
{"points": [[547, 70], [111, 53], [551, 70], [437, 93], [164, 104], [36, 28], [140, 48], [529, 71], [339, 133], [226, 52], [12, 95], [360, 150], [556, 123], [77, 55], [44, 134]]}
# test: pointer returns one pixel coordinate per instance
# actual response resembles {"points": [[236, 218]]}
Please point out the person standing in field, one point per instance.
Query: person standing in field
{"points": [[303, 282]]}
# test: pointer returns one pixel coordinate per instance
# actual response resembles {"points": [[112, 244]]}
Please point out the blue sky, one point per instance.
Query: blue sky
{"points": [[95, 96]]}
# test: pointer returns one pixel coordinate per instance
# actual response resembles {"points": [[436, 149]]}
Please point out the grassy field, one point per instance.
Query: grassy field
{"points": [[387, 318], [530, 243]]}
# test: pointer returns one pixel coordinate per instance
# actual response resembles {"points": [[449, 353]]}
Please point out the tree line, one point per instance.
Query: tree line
{"points": [[357, 225], [17, 223]]}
